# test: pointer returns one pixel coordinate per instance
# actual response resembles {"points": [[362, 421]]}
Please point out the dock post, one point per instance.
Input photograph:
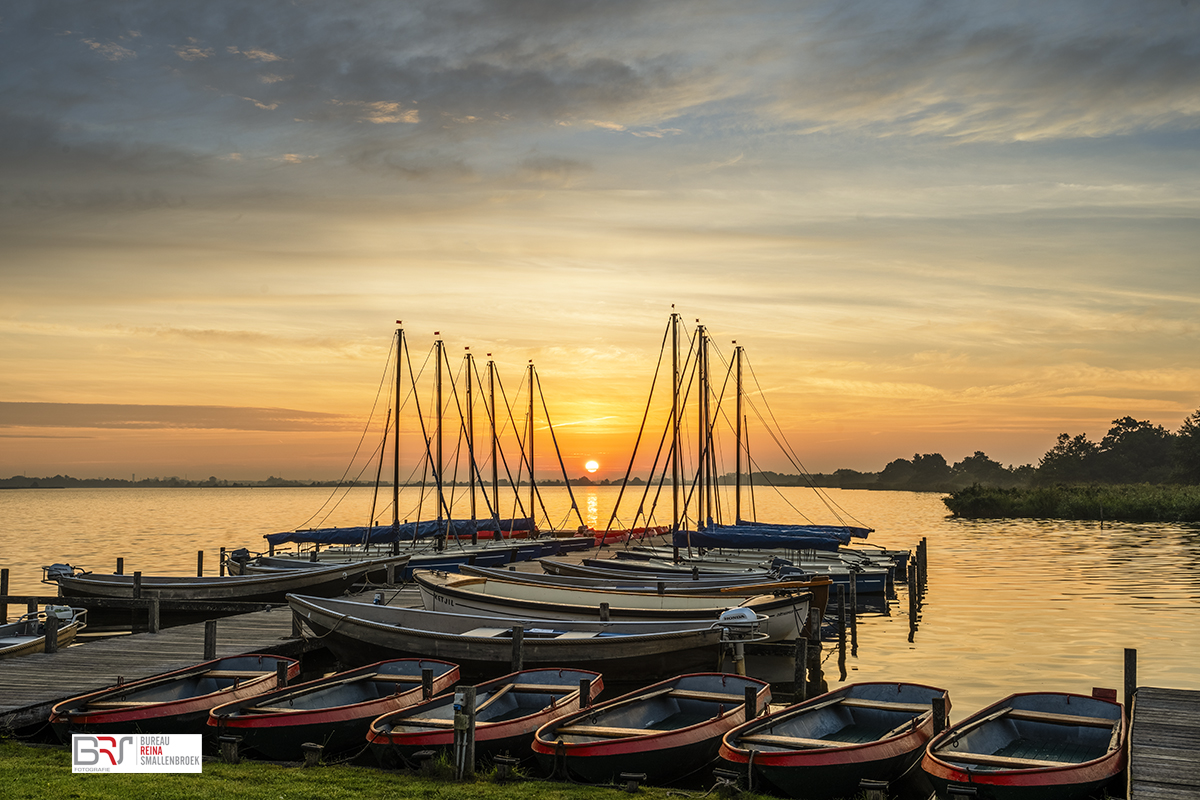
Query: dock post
{"points": [[312, 753], [120, 566], [281, 671], [751, 702], [221, 562], [854, 613], [210, 639], [585, 692], [518, 648], [842, 619], [297, 628], [800, 672], [137, 585], [426, 683], [875, 790], [229, 749], [199, 563], [153, 617], [604, 612], [1130, 678], [939, 714], [464, 733], [51, 625], [4, 594]]}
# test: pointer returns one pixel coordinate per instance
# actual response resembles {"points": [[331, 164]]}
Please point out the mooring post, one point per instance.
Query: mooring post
{"points": [[939, 714], [221, 562], [297, 628], [585, 692], [800, 672], [229, 749], [51, 645], [518, 648], [604, 612], [426, 683], [312, 753], [4, 594], [153, 618], [137, 585], [199, 563], [854, 612], [464, 732], [210, 639], [842, 620], [120, 566], [874, 790], [751, 702], [1130, 678], [281, 671]]}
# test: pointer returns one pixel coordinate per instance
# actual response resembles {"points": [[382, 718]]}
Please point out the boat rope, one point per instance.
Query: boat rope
{"points": [[557, 452]]}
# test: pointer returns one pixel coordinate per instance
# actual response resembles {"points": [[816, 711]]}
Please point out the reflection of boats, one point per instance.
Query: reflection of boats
{"points": [[823, 747], [334, 711], [176, 702], [272, 588], [787, 613], [666, 731], [28, 633], [508, 710], [1032, 745], [482, 645]]}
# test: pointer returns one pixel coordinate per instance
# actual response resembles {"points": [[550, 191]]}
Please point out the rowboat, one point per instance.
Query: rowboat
{"points": [[28, 633], [175, 702], [274, 588], [786, 612], [667, 731], [868, 579], [241, 563], [508, 710], [823, 747], [1032, 746], [482, 645], [334, 711]]}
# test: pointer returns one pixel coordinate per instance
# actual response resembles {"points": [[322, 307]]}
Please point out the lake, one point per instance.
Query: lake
{"points": [[1012, 605]]}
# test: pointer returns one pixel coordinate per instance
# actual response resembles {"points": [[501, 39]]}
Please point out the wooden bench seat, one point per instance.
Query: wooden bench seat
{"points": [[604, 731], [791, 742], [887, 705], [1000, 762], [233, 673], [1061, 719], [715, 697], [124, 703]]}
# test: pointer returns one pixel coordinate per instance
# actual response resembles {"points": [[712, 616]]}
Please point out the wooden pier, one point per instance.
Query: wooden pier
{"points": [[32, 684], [1164, 745]]}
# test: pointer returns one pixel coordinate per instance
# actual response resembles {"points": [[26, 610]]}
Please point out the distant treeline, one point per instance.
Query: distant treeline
{"points": [[1127, 502]]}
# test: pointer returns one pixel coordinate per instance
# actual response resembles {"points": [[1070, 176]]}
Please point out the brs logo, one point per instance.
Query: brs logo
{"points": [[86, 751]]}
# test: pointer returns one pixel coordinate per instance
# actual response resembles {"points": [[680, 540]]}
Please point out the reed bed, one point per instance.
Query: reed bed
{"points": [[1142, 502]]}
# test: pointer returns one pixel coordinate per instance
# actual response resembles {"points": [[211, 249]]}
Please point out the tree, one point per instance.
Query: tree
{"points": [[980, 469], [1134, 451], [1070, 460], [1186, 456]]}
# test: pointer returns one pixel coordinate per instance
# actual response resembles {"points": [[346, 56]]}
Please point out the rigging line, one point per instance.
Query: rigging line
{"points": [[554, 440], [424, 434], [378, 474], [641, 428], [471, 454], [458, 442], [514, 485], [763, 476], [830, 504], [362, 438]]}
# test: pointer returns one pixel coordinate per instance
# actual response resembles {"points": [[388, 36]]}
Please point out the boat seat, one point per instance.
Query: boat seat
{"points": [[548, 688], [716, 697], [1061, 719], [270, 710], [123, 703], [602, 731], [886, 705], [1000, 762], [488, 632], [790, 742], [396, 678], [233, 673], [578, 635]]}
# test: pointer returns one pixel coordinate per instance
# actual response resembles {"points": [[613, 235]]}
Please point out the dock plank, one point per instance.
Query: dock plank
{"points": [[1164, 745]]}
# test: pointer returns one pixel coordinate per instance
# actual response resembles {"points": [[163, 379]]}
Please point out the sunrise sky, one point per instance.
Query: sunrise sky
{"points": [[934, 226]]}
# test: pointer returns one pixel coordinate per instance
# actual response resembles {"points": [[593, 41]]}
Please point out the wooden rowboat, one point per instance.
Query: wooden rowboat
{"points": [[176, 702], [28, 634], [334, 711], [1032, 746], [666, 731], [508, 710], [823, 747]]}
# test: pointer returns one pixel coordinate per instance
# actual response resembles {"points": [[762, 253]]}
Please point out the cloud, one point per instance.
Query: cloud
{"points": [[380, 112], [110, 50], [152, 417]]}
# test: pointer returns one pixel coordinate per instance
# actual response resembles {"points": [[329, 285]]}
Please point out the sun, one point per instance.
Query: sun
{"points": [[591, 466]]}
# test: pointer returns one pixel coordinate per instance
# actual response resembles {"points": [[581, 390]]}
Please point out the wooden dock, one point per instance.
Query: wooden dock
{"points": [[31, 685], [1164, 745]]}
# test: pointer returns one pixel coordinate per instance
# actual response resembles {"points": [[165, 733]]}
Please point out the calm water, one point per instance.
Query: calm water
{"points": [[1011, 606]]}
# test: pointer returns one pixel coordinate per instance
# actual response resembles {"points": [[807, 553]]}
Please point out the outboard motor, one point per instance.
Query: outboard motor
{"points": [[64, 613], [241, 555], [738, 626], [54, 572]]}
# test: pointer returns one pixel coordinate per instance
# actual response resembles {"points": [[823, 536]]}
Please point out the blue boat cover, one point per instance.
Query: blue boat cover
{"points": [[759, 535], [384, 534]]}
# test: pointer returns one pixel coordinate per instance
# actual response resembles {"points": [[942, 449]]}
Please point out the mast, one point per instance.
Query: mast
{"points": [[674, 428], [701, 427], [438, 347], [737, 474], [532, 484], [710, 464], [470, 431], [396, 447], [492, 407]]}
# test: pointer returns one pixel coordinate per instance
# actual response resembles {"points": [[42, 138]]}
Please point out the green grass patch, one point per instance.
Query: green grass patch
{"points": [[1124, 502], [38, 773]]}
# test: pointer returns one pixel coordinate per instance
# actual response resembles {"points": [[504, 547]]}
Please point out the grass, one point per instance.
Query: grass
{"points": [[39, 772], [1125, 502]]}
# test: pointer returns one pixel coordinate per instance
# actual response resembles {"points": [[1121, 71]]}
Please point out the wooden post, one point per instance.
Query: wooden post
{"points": [[842, 619], [939, 714], [874, 790], [800, 672], [924, 565], [199, 563], [51, 625], [585, 692], [153, 618], [854, 612], [270, 548], [4, 594], [210, 639], [751, 702], [229, 749], [281, 671], [814, 626], [426, 683], [518, 648], [464, 732], [604, 612], [137, 585], [312, 753], [1130, 678], [297, 627], [221, 562], [120, 566]]}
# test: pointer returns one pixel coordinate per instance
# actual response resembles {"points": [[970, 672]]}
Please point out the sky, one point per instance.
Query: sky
{"points": [[933, 226]]}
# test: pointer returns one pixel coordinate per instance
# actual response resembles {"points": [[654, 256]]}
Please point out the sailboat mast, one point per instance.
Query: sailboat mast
{"points": [[701, 428], [737, 474], [710, 461], [396, 444], [492, 406], [532, 484], [675, 428], [437, 349], [471, 432]]}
